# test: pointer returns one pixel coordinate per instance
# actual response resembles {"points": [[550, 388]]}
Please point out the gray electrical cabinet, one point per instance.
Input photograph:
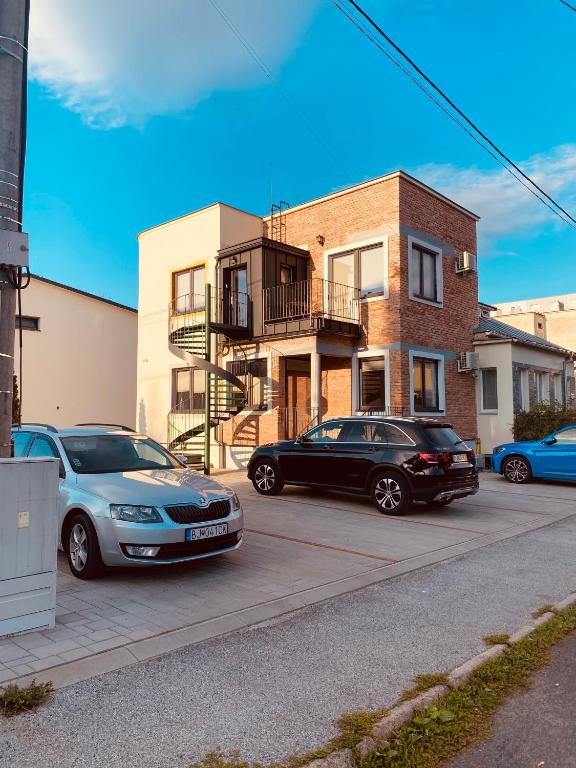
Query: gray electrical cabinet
{"points": [[28, 544]]}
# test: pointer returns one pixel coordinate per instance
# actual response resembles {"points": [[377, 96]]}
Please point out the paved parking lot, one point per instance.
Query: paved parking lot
{"points": [[301, 547]]}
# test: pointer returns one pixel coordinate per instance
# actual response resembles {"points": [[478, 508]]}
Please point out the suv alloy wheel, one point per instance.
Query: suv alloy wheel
{"points": [[266, 478], [391, 493]]}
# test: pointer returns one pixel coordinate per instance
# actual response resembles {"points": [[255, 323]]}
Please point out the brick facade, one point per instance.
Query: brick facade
{"points": [[393, 208]]}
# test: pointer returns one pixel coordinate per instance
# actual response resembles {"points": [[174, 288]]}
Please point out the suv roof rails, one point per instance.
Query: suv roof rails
{"points": [[49, 427], [102, 424]]}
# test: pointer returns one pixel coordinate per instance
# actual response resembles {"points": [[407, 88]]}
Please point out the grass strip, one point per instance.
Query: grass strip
{"points": [[14, 700], [464, 716], [497, 639], [456, 722]]}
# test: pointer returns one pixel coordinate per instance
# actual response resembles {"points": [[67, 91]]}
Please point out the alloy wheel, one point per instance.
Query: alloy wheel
{"points": [[78, 546], [388, 493], [516, 470], [265, 477]]}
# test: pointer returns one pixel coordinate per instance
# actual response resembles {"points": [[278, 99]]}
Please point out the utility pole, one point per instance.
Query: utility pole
{"points": [[14, 15]]}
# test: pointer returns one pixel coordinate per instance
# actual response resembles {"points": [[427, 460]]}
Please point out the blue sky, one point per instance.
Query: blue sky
{"points": [[139, 116]]}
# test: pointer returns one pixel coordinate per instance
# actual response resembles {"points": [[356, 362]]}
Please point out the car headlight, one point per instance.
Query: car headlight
{"points": [[236, 506], [499, 449], [135, 514]]}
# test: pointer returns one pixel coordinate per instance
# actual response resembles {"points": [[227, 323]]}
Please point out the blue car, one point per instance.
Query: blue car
{"points": [[554, 458]]}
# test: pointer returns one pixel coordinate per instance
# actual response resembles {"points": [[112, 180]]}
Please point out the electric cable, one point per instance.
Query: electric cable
{"points": [[422, 74]]}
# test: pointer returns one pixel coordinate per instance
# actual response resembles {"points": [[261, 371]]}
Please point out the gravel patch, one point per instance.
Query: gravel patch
{"points": [[279, 687]]}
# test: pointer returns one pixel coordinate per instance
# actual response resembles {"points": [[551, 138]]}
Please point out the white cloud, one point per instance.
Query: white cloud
{"points": [[119, 62], [505, 207]]}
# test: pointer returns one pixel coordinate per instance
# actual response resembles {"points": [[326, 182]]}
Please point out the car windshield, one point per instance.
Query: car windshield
{"points": [[98, 454], [443, 437]]}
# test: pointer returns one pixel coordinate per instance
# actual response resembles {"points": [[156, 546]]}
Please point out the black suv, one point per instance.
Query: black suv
{"points": [[393, 460]]}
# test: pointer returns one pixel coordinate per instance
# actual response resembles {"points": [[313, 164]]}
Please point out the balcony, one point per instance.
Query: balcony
{"points": [[310, 306], [230, 313]]}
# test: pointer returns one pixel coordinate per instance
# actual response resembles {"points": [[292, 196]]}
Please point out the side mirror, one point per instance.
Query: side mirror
{"points": [[302, 440], [61, 470], [549, 441], [181, 459]]}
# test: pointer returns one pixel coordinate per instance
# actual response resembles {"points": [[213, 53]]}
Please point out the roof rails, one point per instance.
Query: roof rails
{"points": [[49, 427], [102, 424]]}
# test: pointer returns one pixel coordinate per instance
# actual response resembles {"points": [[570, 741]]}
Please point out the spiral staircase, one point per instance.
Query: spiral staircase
{"points": [[192, 321]]}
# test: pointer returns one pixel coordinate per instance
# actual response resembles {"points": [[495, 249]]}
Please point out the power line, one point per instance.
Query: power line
{"points": [[444, 96], [572, 7], [367, 33]]}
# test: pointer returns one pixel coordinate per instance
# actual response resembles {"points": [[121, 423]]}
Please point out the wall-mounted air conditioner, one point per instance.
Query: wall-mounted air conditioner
{"points": [[468, 361], [465, 262]]}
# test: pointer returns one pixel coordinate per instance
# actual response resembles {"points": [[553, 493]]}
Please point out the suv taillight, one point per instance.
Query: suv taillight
{"points": [[442, 459]]}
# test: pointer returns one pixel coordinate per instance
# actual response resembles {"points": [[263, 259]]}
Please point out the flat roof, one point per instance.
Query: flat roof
{"points": [[82, 293], [363, 184]]}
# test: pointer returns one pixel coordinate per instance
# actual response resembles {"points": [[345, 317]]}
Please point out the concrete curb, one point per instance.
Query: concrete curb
{"points": [[404, 712]]}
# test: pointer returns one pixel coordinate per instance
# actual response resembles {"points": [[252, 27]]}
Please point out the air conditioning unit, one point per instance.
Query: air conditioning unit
{"points": [[465, 262], [468, 361]]}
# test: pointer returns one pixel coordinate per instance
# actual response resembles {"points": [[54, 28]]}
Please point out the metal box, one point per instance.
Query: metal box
{"points": [[13, 248], [28, 544]]}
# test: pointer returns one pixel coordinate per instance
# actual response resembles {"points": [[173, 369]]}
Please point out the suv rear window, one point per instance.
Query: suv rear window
{"points": [[442, 437]]}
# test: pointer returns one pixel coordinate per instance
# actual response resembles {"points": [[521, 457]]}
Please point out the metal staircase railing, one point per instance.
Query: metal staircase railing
{"points": [[191, 325]]}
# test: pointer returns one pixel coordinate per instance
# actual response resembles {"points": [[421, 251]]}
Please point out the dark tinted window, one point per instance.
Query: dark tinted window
{"points": [[442, 437], [115, 453], [326, 432], [397, 436], [364, 432], [21, 440], [43, 448]]}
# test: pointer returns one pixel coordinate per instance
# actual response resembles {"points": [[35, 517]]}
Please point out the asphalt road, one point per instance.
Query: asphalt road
{"points": [[279, 687], [535, 729]]}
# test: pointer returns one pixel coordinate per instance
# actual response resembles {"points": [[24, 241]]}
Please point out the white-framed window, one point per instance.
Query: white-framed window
{"points": [[525, 389], [558, 389], [425, 275], [489, 390], [542, 387], [371, 380], [427, 394], [362, 266]]}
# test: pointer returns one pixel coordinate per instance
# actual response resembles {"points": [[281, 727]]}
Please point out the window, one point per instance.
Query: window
{"points": [[326, 432], [425, 384], [525, 390], [43, 448], [542, 387], [188, 289], [372, 384], [29, 323], [443, 437], [566, 436], [362, 432], [20, 440], [253, 373], [557, 388], [489, 386], [424, 265], [286, 274], [363, 269], [115, 453], [188, 387], [397, 436]]}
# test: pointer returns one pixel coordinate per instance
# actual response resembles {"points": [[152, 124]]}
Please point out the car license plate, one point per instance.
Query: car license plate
{"points": [[459, 458], [207, 532]]}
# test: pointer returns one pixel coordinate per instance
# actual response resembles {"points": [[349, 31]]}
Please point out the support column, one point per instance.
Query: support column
{"points": [[315, 384]]}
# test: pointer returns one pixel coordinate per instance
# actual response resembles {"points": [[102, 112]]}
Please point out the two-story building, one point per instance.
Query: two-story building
{"points": [[361, 300]]}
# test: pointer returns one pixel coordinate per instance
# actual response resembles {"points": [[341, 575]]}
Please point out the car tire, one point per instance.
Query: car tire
{"points": [[266, 477], [439, 502], [517, 470], [82, 548], [390, 493]]}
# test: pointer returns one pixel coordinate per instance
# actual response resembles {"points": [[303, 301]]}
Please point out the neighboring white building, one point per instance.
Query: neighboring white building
{"points": [[517, 370], [79, 356]]}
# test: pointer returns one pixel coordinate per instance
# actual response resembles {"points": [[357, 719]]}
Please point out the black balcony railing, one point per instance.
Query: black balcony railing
{"points": [[314, 298], [228, 308]]}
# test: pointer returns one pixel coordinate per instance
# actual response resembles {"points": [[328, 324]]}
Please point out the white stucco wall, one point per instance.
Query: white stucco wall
{"points": [[495, 428], [192, 240], [81, 365]]}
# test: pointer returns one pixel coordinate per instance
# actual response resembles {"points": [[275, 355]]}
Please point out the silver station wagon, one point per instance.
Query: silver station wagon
{"points": [[127, 501]]}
